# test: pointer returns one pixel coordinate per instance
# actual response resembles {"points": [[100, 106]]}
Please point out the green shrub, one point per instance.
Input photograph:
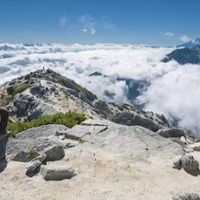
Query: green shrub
{"points": [[12, 91], [32, 154], [6, 100], [27, 76], [126, 106], [20, 88], [69, 83], [62, 80], [69, 119]]}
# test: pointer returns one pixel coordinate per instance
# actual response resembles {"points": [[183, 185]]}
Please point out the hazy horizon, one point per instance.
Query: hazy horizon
{"points": [[88, 22]]}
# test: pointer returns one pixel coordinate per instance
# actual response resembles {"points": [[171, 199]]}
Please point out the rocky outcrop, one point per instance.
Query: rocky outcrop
{"points": [[171, 133], [47, 92], [37, 139], [127, 141], [107, 153], [149, 120]]}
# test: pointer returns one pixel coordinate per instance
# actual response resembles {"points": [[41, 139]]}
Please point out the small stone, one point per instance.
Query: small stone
{"points": [[60, 132], [61, 137], [35, 163], [55, 153], [56, 172], [177, 162], [189, 163], [186, 196]]}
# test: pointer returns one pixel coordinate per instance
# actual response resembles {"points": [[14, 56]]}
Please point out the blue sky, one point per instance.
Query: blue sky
{"points": [[156, 22]]}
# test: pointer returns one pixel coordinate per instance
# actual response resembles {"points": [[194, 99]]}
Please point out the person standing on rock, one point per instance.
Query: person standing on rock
{"points": [[4, 116]]}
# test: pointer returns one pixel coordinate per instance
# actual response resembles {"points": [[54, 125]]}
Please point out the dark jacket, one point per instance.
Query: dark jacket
{"points": [[4, 121]]}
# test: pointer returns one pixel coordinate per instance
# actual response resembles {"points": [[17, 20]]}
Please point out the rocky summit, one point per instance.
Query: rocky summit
{"points": [[116, 152], [45, 92]]}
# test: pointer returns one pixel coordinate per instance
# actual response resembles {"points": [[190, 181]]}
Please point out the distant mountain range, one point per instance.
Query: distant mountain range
{"points": [[190, 44], [185, 55]]}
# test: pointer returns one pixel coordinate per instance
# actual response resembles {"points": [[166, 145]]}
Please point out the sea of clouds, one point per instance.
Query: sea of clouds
{"points": [[173, 89]]}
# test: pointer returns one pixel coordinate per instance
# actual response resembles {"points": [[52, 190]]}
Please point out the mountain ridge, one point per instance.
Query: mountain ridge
{"points": [[190, 44], [45, 92], [184, 55]]}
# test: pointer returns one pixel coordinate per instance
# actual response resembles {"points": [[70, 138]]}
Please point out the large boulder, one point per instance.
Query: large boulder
{"points": [[128, 142], [37, 139]]}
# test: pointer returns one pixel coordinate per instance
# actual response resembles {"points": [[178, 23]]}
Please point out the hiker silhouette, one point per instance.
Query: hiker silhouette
{"points": [[4, 116]]}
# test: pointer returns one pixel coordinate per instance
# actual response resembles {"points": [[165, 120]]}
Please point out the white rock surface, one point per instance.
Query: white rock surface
{"points": [[195, 146], [118, 163], [177, 161]]}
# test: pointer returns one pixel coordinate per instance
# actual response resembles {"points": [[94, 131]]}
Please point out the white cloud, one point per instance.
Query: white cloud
{"points": [[174, 89], [85, 30], [62, 21], [176, 94], [185, 38], [92, 31], [169, 34], [87, 24]]}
